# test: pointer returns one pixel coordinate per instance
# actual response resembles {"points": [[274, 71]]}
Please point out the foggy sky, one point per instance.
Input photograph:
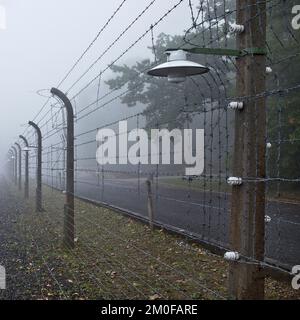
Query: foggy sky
{"points": [[44, 38]]}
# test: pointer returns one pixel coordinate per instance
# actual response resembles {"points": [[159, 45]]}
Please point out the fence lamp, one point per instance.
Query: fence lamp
{"points": [[178, 67]]}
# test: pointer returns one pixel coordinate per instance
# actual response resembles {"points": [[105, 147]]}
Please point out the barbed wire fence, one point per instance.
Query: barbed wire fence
{"points": [[264, 207]]}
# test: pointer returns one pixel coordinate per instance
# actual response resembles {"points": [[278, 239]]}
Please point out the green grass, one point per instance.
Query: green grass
{"points": [[197, 184]]}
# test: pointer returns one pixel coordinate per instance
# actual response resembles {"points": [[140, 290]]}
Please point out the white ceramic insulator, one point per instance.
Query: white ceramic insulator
{"points": [[269, 70], [236, 28], [267, 219], [269, 145], [64, 191], [234, 181], [236, 105], [231, 256]]}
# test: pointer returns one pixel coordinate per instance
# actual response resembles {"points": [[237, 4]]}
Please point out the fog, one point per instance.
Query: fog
{"points": [[42, 40]]}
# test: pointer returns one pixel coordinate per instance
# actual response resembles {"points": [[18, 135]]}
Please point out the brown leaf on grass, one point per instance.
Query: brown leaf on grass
{"points": [[180, 281]]}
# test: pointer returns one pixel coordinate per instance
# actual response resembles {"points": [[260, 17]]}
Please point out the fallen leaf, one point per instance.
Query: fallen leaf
{"points": [[154, 297]]}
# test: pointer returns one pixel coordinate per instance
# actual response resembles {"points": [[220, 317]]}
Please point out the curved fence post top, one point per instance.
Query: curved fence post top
{"points": [[24, 139], [36, 127], [64, 99], [18, 145]]}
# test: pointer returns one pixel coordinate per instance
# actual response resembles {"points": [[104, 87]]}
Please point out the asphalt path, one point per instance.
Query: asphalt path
{"points": [[204, 214]]}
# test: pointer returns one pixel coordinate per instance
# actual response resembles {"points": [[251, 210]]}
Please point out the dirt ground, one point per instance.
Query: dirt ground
{"points": [[115, 257]]}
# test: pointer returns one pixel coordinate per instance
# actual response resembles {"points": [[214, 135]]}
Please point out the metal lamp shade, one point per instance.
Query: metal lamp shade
{"points": [[178, 67]]}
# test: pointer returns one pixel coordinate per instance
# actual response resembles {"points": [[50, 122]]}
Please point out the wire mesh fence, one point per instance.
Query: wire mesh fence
{"points": [[122, 97]]}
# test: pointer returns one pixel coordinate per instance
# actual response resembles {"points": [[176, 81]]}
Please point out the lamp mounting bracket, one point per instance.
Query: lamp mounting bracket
{"points": [[224, 51]]}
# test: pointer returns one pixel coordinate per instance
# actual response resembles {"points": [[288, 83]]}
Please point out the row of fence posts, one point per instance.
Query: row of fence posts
{"points": [[246, 280], [15, 167]]}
